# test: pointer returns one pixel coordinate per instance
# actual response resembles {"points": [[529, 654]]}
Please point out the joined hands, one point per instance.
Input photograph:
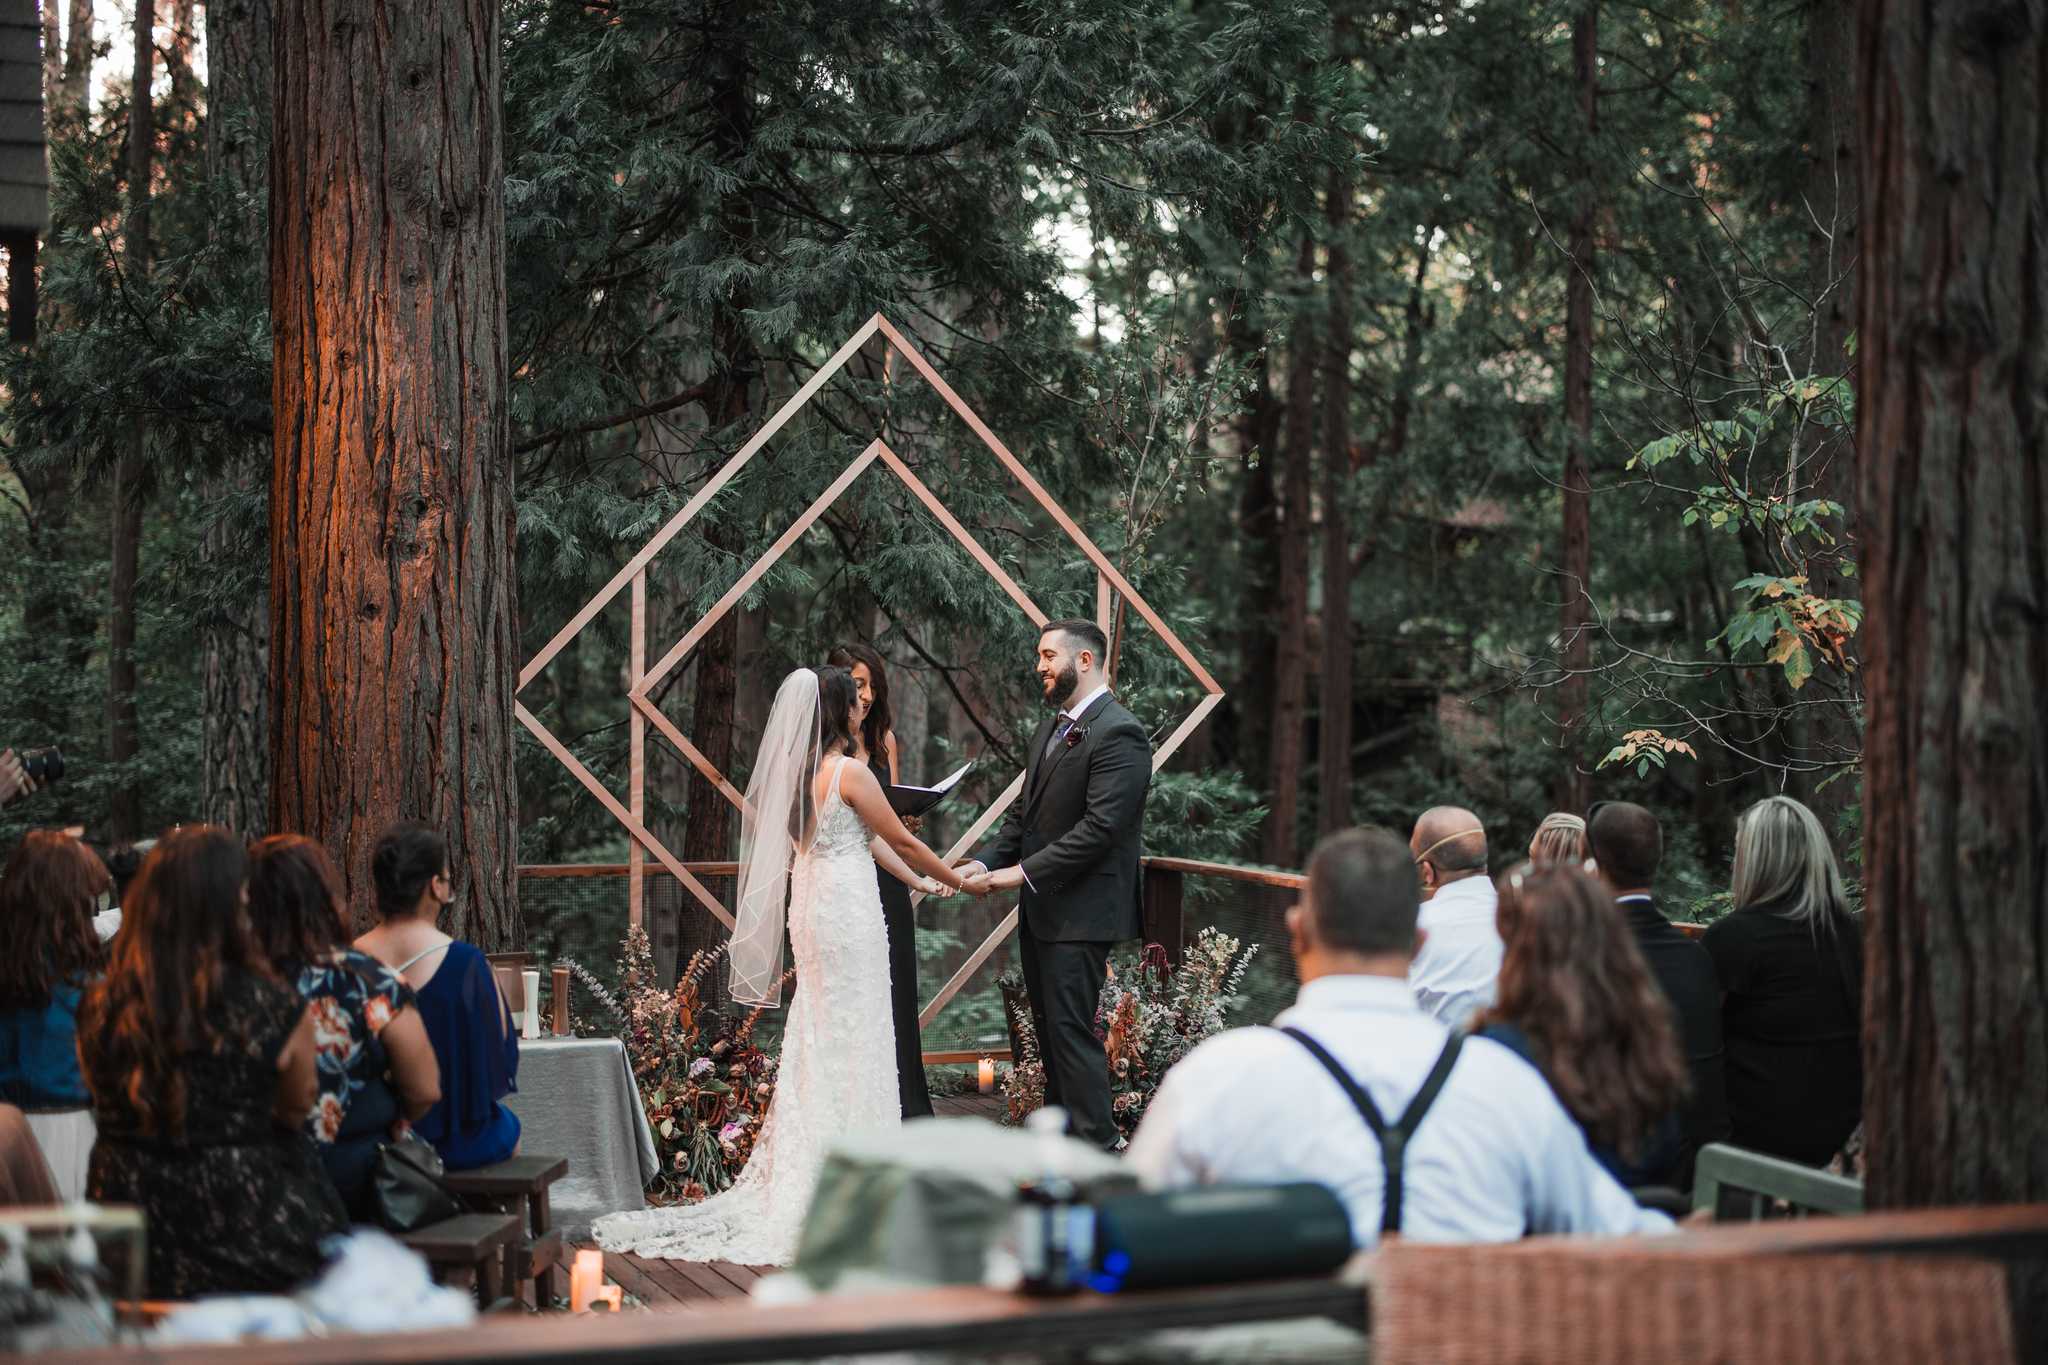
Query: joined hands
{"points": [[977, 880]]}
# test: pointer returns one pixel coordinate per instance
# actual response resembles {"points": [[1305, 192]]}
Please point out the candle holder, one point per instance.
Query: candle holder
{"points": [[558, 998]]}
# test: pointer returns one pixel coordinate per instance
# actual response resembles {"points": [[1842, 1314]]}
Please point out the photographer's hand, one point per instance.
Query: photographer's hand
{"points": [[13, 781]]}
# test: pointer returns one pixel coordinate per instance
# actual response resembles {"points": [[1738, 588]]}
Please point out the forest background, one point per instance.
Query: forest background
{"points": [[1470, 385]]}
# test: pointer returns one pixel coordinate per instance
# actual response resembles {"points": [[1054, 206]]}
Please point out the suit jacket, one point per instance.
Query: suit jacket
{"points": [[1686, 973], [1077, 829]]}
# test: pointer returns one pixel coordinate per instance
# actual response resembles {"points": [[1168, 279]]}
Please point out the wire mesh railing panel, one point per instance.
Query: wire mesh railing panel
{"points": [[1255, 914]]}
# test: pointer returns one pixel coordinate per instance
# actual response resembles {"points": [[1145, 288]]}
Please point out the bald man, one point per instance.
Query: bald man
{"points": [[1457, 968]]}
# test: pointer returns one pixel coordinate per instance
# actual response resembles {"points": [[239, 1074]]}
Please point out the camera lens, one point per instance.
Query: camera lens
{"points": [[43, 766]]}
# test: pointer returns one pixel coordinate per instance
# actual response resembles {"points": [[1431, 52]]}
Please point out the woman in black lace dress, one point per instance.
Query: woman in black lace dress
{"points": [[201, 1067], [878, 750]]}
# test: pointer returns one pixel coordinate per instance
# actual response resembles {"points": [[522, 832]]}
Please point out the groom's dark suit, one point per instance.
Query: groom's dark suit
{"points": [[1076, 830]]}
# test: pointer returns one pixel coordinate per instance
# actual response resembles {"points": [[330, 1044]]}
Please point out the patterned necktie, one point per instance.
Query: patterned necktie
{"points": [[1059, 732]]}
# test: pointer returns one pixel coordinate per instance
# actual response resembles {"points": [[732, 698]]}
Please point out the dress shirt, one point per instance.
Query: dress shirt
{"points": [[1495, 1157], [1080, 708], [1457, 973]]}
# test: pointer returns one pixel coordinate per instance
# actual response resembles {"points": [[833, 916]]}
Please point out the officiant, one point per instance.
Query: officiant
{"points": [[878, 751]]}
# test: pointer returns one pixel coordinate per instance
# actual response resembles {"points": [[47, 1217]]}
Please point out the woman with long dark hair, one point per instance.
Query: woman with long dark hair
{"points": [[1578, 1001], [1790, 960], [48, 894], [374, 1062], [200, 1063], [876, 747]]}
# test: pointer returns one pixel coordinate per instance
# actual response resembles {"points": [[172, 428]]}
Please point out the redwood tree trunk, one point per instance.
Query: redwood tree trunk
{"points": [[77, 59], [393, 649], [124, 805], [1574, 612], [234, 766], [1952, 438], [1333, 733], [1290, 653]]}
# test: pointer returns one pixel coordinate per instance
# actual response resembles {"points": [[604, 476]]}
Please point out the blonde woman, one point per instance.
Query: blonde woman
{"points": [[1790, 961], [1561, 838]]}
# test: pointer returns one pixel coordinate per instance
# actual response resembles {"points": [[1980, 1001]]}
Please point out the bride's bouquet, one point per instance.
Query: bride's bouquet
{"points": [[703, 1082], [1151, 1016]]}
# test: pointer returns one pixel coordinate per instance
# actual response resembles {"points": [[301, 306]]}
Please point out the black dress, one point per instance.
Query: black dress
{"points": [[912, 1093], [236, 1204], [1792, 1012]]}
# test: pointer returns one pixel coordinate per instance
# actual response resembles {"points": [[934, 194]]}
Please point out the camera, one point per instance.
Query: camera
{"points": [[43, 766]]}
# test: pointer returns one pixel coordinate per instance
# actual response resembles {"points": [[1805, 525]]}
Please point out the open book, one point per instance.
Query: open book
{"points": [[918, 800]]}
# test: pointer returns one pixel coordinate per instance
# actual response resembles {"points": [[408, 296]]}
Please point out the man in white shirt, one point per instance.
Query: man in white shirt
{"points": [[1457, 971], [1492, 1158]]}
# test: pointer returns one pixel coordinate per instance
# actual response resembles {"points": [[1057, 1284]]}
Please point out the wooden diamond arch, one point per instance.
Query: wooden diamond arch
{"points": [[631, 814]]}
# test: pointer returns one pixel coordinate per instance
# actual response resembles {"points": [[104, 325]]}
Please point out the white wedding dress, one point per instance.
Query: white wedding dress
{"points": [[837, 1074]]}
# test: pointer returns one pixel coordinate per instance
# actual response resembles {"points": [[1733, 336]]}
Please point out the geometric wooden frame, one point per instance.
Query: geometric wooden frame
{"points": [[642, 679]]}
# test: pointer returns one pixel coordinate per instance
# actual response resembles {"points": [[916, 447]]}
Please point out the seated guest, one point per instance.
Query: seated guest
{"points": [[1790, 962], [457, 995], [1561, 838], [122, 861], [200, 1063], [1492, 1157], [48, 895], [1577, 1001], [1459, 961], [1626, 844], [376, 1068]]}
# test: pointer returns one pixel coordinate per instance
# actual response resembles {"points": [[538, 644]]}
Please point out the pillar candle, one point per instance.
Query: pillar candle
{"points": [[988, 1076], [531, 981], [586, 1280], [560, 1000]]}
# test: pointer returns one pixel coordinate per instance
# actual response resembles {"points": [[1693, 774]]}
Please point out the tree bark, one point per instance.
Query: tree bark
{"points": [[1258, 512], [1831, 732], [1952, 436], [124, 801], [73, 94], [1574, 612], [234, 770], [1333, 732], [53, 57], [393, 649], [1290, 654]]}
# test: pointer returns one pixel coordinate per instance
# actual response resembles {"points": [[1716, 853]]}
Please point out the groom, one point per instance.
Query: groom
{"points": [[1071, 843]]}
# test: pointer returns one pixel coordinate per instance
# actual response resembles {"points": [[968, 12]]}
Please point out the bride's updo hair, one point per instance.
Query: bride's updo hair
{"points": [[837, 698]]}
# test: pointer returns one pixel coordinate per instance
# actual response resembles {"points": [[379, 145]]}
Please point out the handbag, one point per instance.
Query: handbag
{"points": [[406, 1192]]}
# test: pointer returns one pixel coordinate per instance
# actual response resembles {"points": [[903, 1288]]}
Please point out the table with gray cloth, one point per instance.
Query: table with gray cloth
{"points": [[576, 1099]]}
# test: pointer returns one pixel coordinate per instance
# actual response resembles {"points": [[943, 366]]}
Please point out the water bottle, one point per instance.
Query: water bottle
{"points": [[1055, 1228]]}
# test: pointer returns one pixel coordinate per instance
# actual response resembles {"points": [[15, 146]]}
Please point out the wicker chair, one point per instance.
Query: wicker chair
{"points": [[1556, 1299]]}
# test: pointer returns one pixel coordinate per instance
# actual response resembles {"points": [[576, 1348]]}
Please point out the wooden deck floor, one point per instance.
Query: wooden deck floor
{"points": [[683, 1285]]}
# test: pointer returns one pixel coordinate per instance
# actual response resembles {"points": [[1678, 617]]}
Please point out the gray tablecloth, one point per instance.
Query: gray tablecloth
{"points": [[576, 1099]]}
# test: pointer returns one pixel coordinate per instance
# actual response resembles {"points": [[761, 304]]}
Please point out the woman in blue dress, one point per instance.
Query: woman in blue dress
{"points": [[457, 997]]}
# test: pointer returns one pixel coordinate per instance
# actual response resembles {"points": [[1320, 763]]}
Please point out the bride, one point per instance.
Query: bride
{"points": [[814, 827]]}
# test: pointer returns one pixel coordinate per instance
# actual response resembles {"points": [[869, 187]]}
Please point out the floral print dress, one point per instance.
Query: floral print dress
{"points": [[352, 996]]}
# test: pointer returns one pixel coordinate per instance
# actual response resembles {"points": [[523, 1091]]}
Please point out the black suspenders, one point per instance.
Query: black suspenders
{"points": [[1393, 1138]]}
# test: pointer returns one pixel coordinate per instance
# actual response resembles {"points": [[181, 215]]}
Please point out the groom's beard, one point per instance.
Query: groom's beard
{"points": [[1062, 685]]}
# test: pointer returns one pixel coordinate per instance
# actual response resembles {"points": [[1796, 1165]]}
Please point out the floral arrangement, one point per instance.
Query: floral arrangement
{"points": [[1151, 1016], [703, 1082]]}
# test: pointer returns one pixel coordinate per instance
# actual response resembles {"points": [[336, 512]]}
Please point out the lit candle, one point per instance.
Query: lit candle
{"points": [[988, 1075], [586, 1280]]}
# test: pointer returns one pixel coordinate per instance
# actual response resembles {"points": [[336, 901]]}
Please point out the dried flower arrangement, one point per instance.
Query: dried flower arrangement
{"points": [[1150, 1017], [703, 1082]]}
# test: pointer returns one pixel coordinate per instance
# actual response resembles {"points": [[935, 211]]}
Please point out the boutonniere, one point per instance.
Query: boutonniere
{"points": [[1075, 734]]}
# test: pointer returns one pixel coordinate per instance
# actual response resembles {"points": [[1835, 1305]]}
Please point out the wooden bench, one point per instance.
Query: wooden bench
{"points": [[1736, 1184], [519, 1185], [469, 1250]]}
